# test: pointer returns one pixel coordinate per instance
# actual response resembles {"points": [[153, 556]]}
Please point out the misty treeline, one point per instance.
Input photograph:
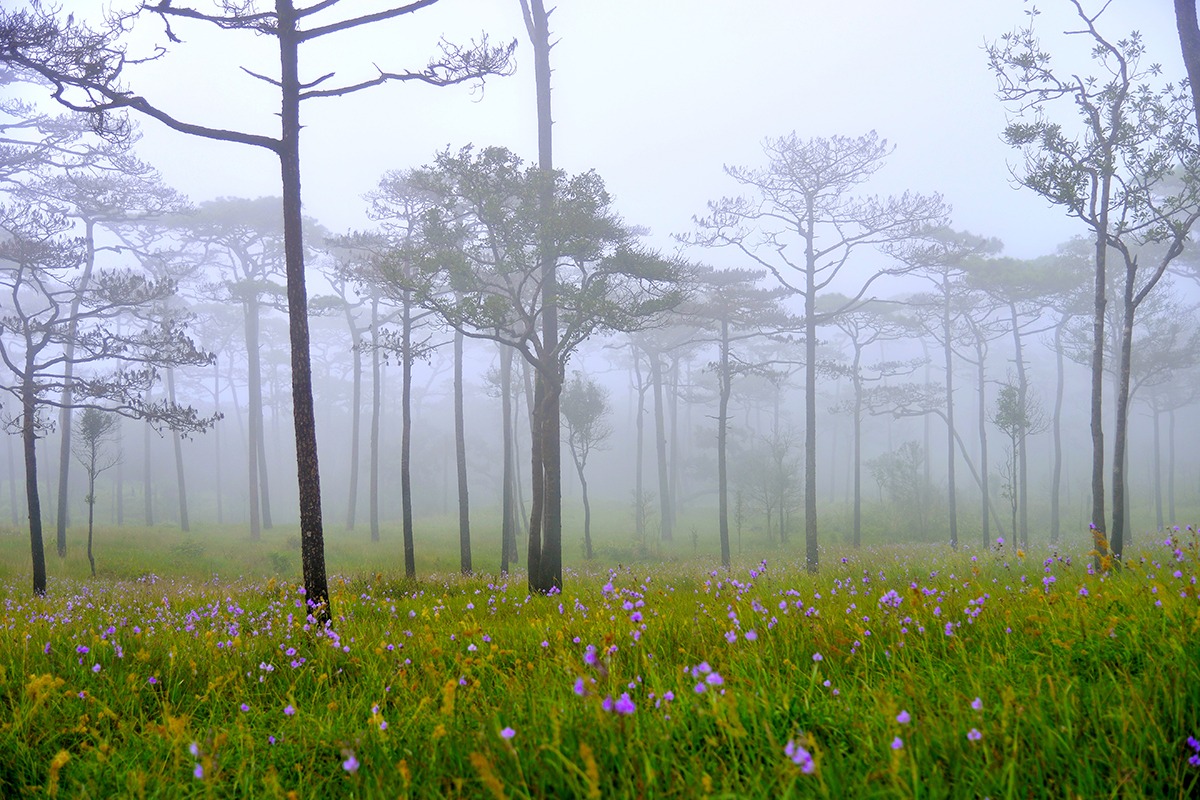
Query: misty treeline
{"points": [[812, 346]]}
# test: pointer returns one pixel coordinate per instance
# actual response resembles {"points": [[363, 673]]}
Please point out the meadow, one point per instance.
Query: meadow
{"points": [[190, 668]]}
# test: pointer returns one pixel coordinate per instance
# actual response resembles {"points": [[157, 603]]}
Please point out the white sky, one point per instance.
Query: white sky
{"points": [[656, 95]]}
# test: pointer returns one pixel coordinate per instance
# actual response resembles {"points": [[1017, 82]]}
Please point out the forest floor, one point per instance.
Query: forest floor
{"points": [[893, 672]]}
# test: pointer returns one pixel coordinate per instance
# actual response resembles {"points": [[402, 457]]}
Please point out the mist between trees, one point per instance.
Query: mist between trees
{"points": [[817, 362]]}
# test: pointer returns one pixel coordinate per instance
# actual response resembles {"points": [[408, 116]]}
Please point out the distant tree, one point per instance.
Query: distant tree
{"points": [[863, 326], [38, 269], [801, 223], [1114, 170], [585, 406], [1019, 415], [482, 254], [86, 67], [96, 432]]}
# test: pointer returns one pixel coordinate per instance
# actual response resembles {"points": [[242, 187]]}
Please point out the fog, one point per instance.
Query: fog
{"points": [[656, 98]]}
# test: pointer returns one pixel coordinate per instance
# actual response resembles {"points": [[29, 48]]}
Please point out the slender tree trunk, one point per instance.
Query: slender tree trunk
{"points": [[34, 504], [460, 453], [14, 513], [91, 504], [508, 531], [1171, 466], [587, 508], [253, 418], [673, 456], [1056, 424], [147, 474], [948, 354], [1125, 354], [178, 442], [355, 423], [217, 468], [1097, 410], [639, 498], [264, 483], [312, 536], [64, 419], [376, 404], [120, 490], [660, 446], [406, 509], [984, 485], [856, 379], [1022, 453], [722, 468], [1158, 488], [537, 481], [811, 555], [1189, 41]]}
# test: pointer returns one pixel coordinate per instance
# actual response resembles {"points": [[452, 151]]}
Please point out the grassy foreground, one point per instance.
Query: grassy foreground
{"points": [[892, 673]]}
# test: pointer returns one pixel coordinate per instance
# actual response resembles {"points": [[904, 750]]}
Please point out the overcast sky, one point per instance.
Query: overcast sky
{"points": [[656, 95]]}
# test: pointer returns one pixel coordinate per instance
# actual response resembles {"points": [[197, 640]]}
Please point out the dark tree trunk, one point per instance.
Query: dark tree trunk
{"points": [[29, 440], [1125, 354], [1189, 41], [312, 538], [178, 442], [406, 510], [1097, 409], [537, 483], [460, 455], [660, 445], [376, 403], [722, 468]]}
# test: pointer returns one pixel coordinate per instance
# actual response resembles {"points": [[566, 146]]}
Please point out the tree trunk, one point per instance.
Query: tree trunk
{"points": [[406, 510], [217, 469], [811, 556], [29, 440], [587, 508], [673, 455], [660, 446], [376, 403], [1171, 466], [1022, 455], [355, 423], [14, 514], [177, 440], [508, 530], [253, 418], [1125, 354], [147, 474], [460, 454], [948, 353], [722, 468], [984, 485], [856, 380], [1097, 410], [1158, 488], [1189, 41], [312, 537], [91, 504], [537, 484], [639, 489], [64, 419], [1056, 424]]}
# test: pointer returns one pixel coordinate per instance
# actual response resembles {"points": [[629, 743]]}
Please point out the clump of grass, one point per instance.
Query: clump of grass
{"points": [[892, 673]]}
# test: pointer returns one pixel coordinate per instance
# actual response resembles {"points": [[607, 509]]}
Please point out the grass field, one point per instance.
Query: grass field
{"points": [[894, 672]]}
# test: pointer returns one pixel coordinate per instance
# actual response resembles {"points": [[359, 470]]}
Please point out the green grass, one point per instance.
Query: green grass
{"points": [[1081, 694]]}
